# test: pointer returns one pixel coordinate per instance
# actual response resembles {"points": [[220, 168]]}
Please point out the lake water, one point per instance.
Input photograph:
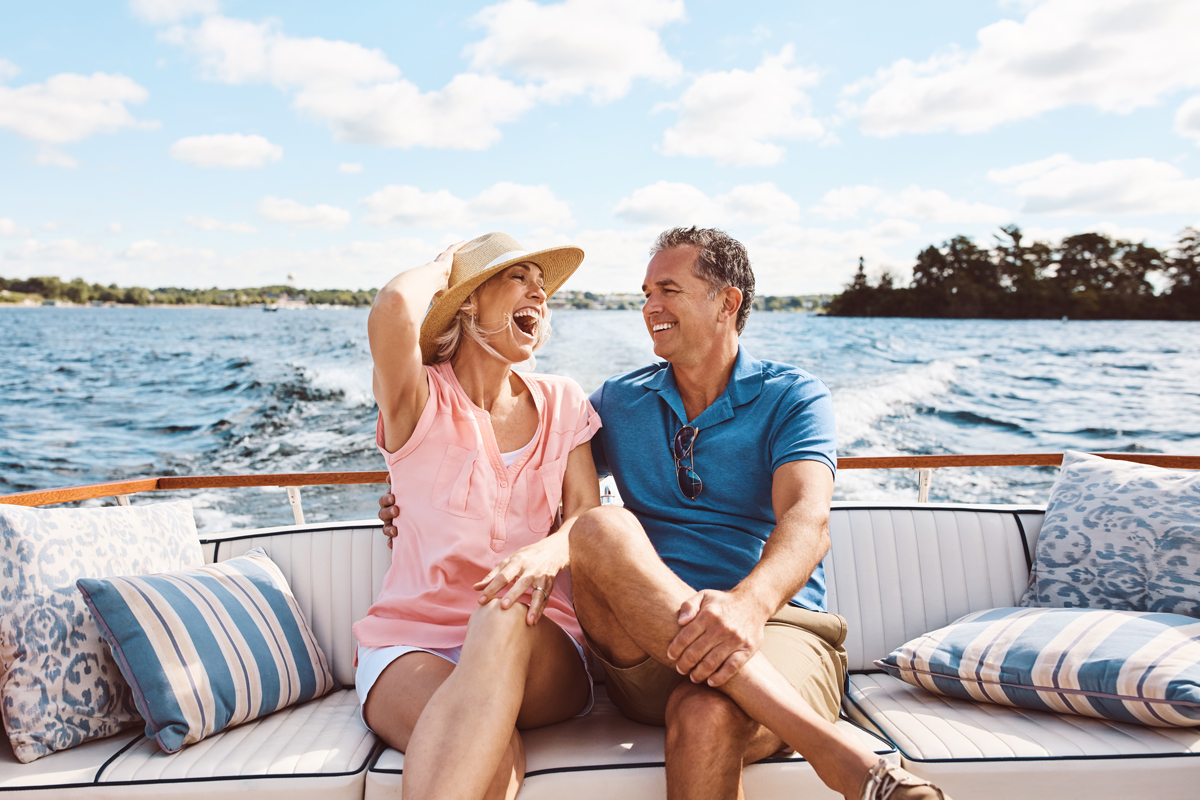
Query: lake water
{"points": [[99, 394]]}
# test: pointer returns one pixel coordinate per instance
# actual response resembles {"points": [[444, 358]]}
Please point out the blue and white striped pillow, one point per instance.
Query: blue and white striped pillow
{"points": [[1126, 666], [209, 648]]}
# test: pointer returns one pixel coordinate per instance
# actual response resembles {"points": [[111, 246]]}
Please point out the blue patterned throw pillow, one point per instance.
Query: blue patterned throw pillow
{"points": [[59, 685], [1119, 665], [209, 648], [1119, 535]]}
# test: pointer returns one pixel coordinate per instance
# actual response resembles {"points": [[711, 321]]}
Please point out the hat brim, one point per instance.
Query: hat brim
{"points": [[557, 265]]}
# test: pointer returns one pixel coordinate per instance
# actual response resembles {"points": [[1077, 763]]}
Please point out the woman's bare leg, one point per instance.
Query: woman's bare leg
{"points": [[464, 744]]}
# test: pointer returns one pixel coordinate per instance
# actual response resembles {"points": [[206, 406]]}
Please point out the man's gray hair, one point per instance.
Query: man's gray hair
{"points": [[722, 261]]}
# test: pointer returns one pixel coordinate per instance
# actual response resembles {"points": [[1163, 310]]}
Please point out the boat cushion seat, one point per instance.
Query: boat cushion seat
{"points": [[319, 749], [985, 750], [624, 759]]}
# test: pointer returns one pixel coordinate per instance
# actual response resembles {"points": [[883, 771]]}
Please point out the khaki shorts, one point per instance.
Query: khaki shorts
{"points": [[805, 646]]}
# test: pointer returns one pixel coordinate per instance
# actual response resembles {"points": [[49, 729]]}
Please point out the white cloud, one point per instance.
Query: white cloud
{"points": [[31, 250], [116, 227], [665, 203], [1054, 236], [408, 206], [289, 212], [149, 250], [846, 202], [356, 91], [211, 224], [931, 205], [578, 46], [68, 107], [1062, 185], [464, 115], [158, 12], [737, 117], [615, 262], [8, 69], [50, 156], [1114, 55], [1187, 119], [787, 258], [352, 169], [228, 150], [927, 205], [149, 263], [10, 228], [791, 259]]}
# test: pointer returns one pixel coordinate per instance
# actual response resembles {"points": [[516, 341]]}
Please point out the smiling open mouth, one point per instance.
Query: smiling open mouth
{"points": [[527, 320], [662, 326]]}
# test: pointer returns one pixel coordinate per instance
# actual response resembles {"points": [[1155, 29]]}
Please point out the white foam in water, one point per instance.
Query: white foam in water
{"points": [[859, 406], [353, 382]]}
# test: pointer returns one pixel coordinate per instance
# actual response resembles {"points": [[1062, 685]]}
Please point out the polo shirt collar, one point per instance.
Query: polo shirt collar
{"points": [[745, 384]]}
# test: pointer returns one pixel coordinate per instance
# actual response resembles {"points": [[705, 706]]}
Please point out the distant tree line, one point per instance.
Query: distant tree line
{"points": [[82, 292], [1087, 276]]}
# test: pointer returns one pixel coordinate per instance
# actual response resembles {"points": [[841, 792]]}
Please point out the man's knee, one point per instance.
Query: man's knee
{"points": [[601, 535], [697, 713]]}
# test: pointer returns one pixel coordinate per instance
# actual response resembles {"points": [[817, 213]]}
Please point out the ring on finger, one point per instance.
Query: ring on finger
{"points": [[540, 589]]}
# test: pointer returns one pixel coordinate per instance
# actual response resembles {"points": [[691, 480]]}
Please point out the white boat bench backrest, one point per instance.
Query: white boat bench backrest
{"points": [[894, 572], [899, 571]]}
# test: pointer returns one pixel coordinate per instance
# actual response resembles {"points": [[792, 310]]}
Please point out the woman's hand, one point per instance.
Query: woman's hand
{"points": [[531, 569], [442, 264]]}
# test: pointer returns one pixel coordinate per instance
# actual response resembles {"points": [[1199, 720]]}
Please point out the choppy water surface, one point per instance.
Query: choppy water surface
{"points": [[89, 395]]}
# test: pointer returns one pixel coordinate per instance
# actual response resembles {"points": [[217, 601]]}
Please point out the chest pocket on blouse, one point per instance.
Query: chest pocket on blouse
{"points": [[452, 487], [545, 493]]}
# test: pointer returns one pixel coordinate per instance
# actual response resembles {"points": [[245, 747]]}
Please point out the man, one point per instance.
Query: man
{"points": [[705, 596]]}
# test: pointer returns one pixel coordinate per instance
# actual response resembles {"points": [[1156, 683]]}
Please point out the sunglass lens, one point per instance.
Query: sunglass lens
{"points": [[689, 482], [683, 441]]}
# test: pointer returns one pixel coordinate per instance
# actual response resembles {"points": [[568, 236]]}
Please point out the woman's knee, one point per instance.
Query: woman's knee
{"points": [[493, 617]]}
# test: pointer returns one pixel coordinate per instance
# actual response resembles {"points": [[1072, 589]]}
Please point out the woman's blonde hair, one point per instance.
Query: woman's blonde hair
{"points": [[465, 325]]}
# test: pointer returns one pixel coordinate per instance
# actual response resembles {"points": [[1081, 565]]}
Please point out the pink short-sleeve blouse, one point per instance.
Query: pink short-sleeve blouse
{"points": [[462, 511]]}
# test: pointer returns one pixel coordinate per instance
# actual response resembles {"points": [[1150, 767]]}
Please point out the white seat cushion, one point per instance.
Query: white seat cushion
{"points": [[622, 759], [317, 750], [980, 750]]}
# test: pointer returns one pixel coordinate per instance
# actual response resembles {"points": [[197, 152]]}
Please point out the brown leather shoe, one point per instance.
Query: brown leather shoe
{"points": [[886, 782]]}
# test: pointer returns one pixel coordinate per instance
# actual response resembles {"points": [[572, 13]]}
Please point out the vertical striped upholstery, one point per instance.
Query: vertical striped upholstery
{"points": [[884, 572], [895, 573]]}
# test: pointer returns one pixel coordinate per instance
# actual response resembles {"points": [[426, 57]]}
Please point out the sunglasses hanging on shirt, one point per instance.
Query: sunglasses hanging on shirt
{"points": [[685, 474]]}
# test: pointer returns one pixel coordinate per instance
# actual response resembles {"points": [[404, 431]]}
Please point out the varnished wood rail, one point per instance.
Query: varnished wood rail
{"points": [[924, 464]]}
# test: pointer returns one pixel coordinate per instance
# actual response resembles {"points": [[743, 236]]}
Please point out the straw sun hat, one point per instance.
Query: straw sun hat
{"points": [[480, 259]]}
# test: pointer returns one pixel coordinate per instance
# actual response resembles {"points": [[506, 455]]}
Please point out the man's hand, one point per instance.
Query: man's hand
{"points": [[719, 632], [388, 511]]}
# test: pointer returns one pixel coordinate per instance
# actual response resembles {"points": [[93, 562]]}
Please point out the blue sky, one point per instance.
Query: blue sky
{"points": [[232, 142]]}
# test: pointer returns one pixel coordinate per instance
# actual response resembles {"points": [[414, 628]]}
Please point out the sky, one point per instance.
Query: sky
{"points": [[230, 143]]}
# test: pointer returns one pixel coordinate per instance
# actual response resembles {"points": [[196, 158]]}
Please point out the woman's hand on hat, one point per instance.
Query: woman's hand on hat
{"points": [[445, 260]]}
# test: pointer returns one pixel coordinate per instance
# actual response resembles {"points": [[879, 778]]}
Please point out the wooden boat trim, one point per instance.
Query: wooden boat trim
{"points": [[125, 488]]}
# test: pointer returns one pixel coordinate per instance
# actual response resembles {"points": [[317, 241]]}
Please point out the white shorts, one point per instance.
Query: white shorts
{"points": [[372, 661]]}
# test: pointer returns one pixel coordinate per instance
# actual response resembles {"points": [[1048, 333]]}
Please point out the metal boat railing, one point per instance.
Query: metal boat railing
{"points": [[292, 481]]}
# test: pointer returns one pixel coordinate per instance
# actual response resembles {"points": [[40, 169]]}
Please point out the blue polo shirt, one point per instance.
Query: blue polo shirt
{"points": [[768, 415]]}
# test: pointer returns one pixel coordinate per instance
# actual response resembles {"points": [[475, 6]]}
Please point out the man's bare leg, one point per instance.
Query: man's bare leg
{"points": [[628, 602], [709, 740]]}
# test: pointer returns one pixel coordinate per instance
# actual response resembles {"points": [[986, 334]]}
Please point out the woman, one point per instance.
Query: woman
{"points": [[472, 637]]}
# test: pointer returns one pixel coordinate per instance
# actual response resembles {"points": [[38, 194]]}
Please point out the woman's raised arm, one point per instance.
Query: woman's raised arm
{"points": [[400, 383]]}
